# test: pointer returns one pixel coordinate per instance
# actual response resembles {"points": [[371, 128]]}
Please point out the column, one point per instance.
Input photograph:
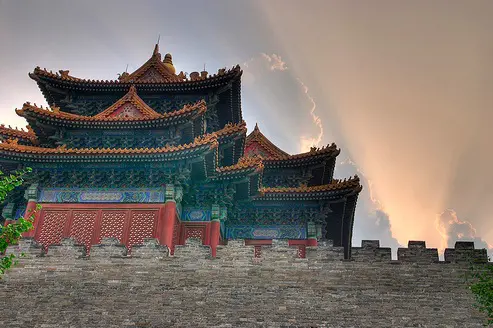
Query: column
{"points": [[312, 234], [168, 219], [215, 229], [31, 195]]}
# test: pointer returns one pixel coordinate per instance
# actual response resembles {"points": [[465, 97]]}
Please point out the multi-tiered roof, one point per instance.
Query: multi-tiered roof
{"points": [[153, 127]]}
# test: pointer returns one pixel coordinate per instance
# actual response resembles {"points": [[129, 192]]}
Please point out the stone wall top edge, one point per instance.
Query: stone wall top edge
{"points": [[370, 250]]}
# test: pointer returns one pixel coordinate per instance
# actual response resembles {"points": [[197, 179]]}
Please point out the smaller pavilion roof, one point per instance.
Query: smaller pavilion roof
{"points": [[253, 163], [136, 108], [12, 145], [154, 70], [258, 144], [129, 108], [11, 133], [335, 188], [12, 149], [258, 141]]}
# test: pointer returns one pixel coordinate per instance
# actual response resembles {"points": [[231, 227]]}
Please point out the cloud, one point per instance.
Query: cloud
{"points": [[451, 229], [308, 142], [410, 102], [371, 219], [275, 62]]}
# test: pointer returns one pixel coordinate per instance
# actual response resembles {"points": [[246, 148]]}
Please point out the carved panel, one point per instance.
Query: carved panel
{"points": [[141, 227], [53, 226], [194, 233], [82, 228], [127, 110], [112, 224]]}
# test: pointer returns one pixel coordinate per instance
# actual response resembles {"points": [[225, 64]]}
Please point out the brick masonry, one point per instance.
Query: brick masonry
{"points": [[149, 288]]}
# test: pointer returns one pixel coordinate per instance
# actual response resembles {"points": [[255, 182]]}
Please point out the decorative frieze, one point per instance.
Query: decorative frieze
{"points": [[196, 215], [100, 195], [266, 232]]}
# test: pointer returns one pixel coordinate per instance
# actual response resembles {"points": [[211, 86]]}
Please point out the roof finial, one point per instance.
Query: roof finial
{"points": [[256, 127], [126, 69], [156, 48]]}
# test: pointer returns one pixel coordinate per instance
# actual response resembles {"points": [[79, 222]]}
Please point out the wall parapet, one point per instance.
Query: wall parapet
{"points": [[416, 252], [464, 252], [236, 251], [370, 251]]}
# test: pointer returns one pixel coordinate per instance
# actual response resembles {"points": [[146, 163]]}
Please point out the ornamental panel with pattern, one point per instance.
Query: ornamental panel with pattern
{"points": [[53, 226], [197, 233], [141, 227], [82, 228], [112, 224]]}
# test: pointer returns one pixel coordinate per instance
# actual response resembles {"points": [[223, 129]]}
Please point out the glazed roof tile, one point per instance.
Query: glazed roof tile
{"points": [[12, 145], [231, 128], [245, 163], [258, 137], [20, 134], [327, 150], [278, 155], [64, 76], [351, 183], [148, 114], [159, 71], [208, 139], [131, 97]]}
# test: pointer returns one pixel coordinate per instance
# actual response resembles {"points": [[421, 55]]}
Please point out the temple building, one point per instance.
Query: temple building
{"points": [[156, 154]]}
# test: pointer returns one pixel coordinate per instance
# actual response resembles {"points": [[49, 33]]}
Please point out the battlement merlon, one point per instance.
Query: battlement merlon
{"points": [[280, 252], [464, 252]]}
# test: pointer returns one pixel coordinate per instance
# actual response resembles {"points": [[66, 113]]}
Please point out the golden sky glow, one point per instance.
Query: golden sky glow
{"points": [[404, 88]]}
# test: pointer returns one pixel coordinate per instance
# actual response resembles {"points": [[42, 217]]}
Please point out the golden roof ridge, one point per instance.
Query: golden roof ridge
{"points": [[13, 145], [244, 163], [199, 106], [352, 182], [66, 77], [257, 136], [16, 133]]}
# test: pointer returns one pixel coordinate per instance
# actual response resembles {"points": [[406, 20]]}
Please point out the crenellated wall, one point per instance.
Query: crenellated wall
{"points": [[150, 288]]}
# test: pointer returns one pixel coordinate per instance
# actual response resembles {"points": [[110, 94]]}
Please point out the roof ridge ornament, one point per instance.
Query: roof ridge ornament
{"points": [[156, 51]]}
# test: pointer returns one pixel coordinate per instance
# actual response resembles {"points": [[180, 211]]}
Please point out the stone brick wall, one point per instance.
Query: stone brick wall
{"points": [[110, 288]]}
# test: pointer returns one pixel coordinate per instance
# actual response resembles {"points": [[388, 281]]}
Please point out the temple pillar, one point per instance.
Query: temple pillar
{"points": [[31, 195], [215, 229], [311, 234], [168, 219]]}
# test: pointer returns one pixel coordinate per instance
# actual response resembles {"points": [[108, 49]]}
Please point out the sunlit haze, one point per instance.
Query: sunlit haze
{"points": [[405, 89]]}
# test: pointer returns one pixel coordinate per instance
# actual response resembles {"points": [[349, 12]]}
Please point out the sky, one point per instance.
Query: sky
{"points": [[403, 88]]}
